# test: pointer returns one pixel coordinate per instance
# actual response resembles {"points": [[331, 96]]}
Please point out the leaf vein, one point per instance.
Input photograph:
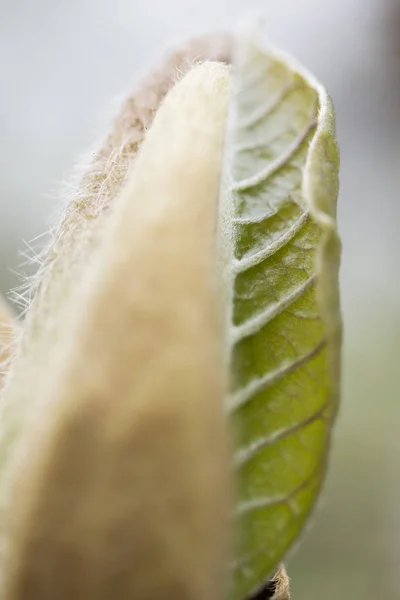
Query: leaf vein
{"points": [[244, 455], [254, 324], [265, 110], [239, 266], [259, 503], [271, 168], [261, 384]]}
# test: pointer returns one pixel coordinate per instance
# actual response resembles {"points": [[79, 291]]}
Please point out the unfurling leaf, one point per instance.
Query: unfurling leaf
{"points": [[284, 333], [114, 470]]}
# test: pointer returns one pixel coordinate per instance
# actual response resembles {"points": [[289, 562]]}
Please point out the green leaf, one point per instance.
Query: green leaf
{"points": [[285, 327]]}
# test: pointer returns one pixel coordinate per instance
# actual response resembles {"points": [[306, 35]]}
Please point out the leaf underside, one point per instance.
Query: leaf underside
{"points": [[285, 323]]}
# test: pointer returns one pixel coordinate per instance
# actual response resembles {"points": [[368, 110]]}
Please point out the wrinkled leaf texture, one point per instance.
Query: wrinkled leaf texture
{"points": [[284, 325]]}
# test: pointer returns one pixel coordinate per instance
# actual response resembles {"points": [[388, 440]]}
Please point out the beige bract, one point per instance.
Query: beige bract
{"points": [[118, 461]]}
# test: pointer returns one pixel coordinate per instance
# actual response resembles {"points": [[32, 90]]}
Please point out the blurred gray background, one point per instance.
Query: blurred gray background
{"points": [[62, 65]]}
